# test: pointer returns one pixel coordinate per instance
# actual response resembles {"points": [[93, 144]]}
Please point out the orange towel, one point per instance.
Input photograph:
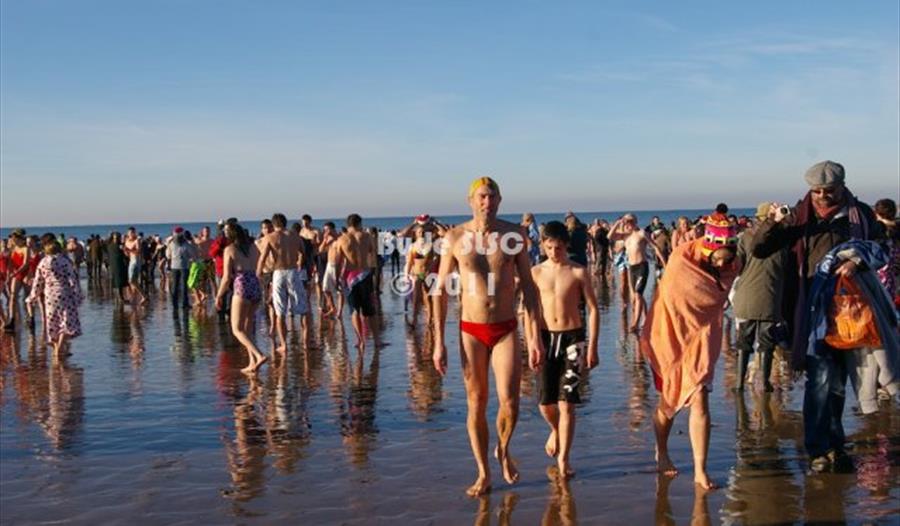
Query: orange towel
{"points": [[682, 337]]}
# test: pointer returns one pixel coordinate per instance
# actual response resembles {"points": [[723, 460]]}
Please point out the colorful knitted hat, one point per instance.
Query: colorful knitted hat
{"points": [[719, 233]]}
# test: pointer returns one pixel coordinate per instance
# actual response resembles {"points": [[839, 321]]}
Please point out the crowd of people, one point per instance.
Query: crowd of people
{"points": [[817, 280]]}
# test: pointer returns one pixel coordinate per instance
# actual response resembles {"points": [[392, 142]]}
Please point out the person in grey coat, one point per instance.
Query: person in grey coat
{"points": [[757, 303]]}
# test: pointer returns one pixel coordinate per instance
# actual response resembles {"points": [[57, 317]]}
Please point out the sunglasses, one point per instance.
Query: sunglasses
{"points": [[826, 190]]}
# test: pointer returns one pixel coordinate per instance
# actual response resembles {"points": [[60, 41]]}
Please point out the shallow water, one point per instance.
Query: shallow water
{"points": [[151, 420]]}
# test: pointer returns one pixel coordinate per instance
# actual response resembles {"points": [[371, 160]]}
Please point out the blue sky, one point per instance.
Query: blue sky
{"points": [[192, 110]]}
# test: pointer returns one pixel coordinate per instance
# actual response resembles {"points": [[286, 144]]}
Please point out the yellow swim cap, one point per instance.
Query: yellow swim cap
{"points": [[483, 181]]}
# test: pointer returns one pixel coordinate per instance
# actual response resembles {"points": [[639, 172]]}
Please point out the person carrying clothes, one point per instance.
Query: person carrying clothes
{"points": [[828, 215], [856, 314], [757, 303]]}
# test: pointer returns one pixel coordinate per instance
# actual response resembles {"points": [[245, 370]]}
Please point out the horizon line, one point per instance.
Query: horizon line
{"points": [[321, 218]]}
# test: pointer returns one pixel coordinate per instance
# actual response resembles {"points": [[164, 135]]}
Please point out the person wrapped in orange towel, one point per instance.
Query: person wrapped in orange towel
{"points": [[682, 337]]}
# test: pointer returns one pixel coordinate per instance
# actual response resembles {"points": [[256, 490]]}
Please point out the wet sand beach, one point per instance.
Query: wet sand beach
{"points": [[151, 421]]}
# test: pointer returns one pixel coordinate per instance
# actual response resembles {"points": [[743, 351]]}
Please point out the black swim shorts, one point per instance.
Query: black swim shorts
{"points": [[560, 376], [360, 297], [638, 275]]}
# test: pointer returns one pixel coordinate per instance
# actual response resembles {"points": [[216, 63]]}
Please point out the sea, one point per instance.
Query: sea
{"points": [[382, 223]]}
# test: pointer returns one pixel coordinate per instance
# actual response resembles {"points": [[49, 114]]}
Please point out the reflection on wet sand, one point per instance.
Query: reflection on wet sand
{"points": [[358, 423], [265, 428], [287, 417], [560, 510], [247, 451], [425, 384], [763, 488], [354, 391], [663, 512], [50, 395], [504, 511]]}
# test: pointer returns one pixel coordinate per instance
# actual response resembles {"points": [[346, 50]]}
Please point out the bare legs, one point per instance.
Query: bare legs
{"points": [[638, 309], [507, 372], [241, 325], [360, 327], [281, 332], [662, 426], [699, 431], [561, 419], [134, 292], [12, 305]]}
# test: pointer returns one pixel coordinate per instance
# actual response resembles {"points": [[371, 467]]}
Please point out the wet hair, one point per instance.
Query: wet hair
{"points": [[279, 220], [306, 217], [722, 208], [354, 220], [886, 208], [49, 244], [556, 231]]}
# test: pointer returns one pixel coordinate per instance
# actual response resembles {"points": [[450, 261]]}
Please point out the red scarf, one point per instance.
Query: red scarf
{"points": [[828, 212]]}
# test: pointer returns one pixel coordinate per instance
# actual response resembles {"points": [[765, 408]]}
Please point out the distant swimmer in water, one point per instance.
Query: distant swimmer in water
{"points": [[489, 254], [240, 260], [563, 286]]}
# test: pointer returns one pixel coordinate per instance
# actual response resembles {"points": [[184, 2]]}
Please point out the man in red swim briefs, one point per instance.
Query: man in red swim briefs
{"points": [[488, 254]]}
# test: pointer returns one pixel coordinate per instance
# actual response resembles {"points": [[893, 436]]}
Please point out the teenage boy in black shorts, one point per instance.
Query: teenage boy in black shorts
{"points": [[563, 286]]}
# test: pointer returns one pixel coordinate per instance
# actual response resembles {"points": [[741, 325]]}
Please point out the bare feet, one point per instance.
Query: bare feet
{"points": [[552, 445], [281, 349], [482, 486], [703, 481], [508, 465], [565, 470], [260, 361], [255, 363], [665, 466]]}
